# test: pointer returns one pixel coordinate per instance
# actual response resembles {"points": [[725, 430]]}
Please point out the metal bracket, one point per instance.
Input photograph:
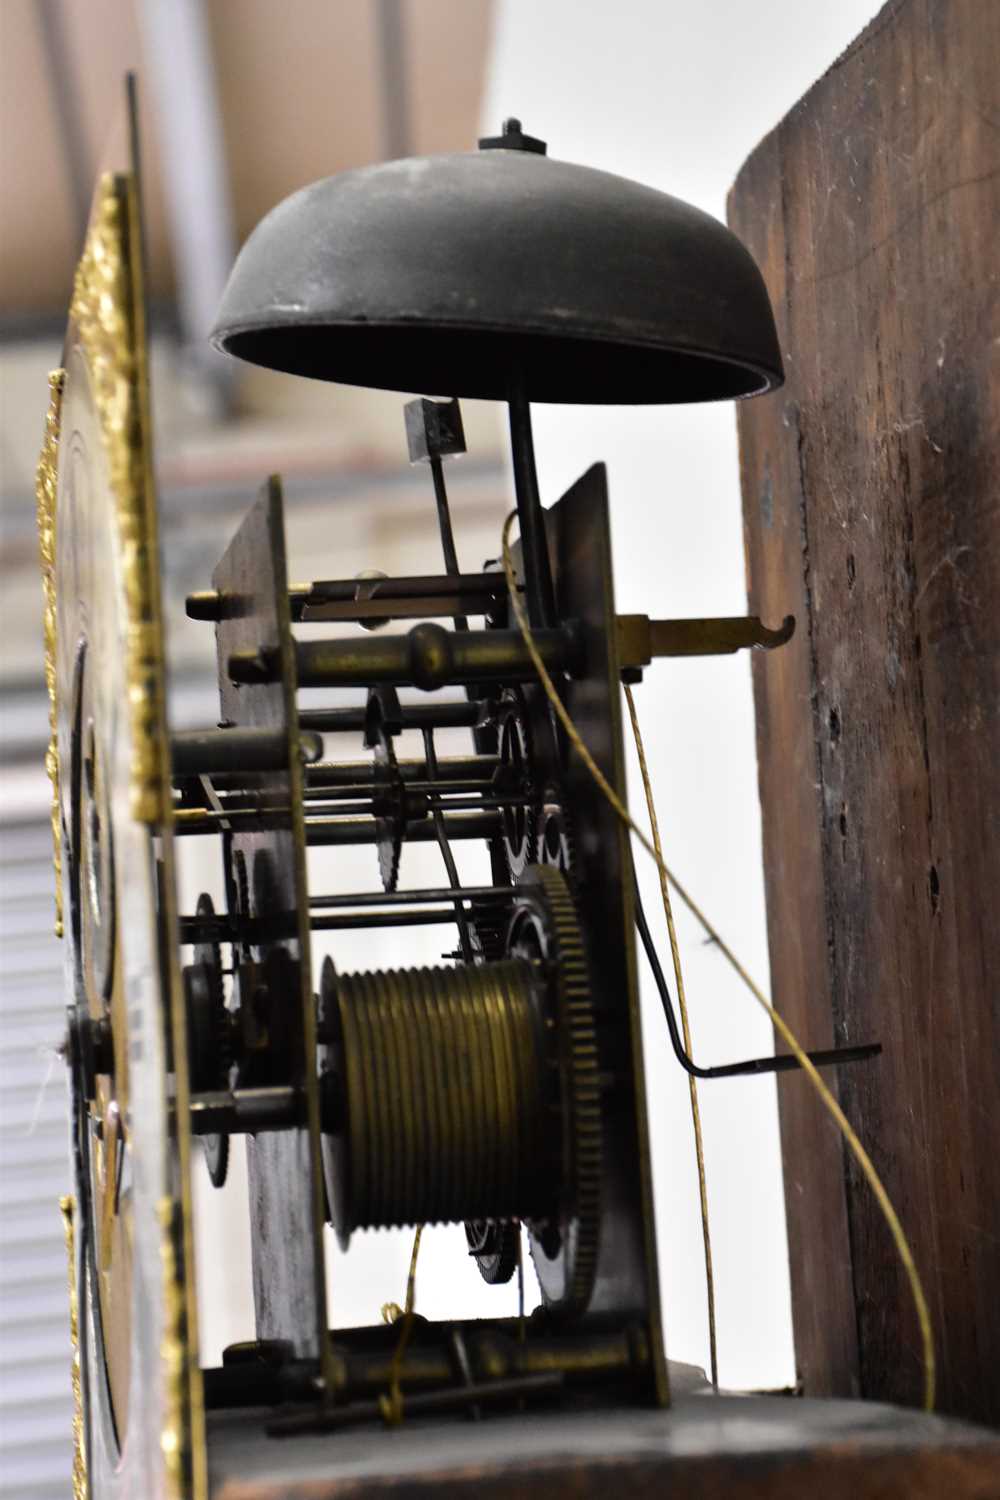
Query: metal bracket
{"points": [[640, 639]]}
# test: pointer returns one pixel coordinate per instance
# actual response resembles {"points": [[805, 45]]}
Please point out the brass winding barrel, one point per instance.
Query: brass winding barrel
{"points": [[449, 1109]]}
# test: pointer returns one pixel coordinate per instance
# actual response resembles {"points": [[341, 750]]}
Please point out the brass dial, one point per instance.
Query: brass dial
{"points": [[91, 699]]}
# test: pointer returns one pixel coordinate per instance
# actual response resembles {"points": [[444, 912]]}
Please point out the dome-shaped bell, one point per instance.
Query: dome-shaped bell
{"points": [[464, 275]]}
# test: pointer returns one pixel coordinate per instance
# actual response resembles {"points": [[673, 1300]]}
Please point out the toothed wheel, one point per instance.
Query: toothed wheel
{"points": [[241, 890], [211, 1056], [544, 928], [556, 846], [391, 816], [493, 1245], [382, 720], [514, 779]]}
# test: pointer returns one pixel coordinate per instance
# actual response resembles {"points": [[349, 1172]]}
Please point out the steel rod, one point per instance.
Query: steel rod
{"points": [[474, 771], [447, 788], [433, 589], [325, 1419], [452, 768], [196, 820], [225, 927], [414, 586], [346, 801], [196, 752], [414, 716], [237, 1111], [340, 831], [452, 803], [429, 917], [415, 898]]}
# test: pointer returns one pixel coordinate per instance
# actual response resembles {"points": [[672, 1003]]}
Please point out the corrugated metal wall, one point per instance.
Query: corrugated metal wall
{"points": [[35, 1394]]}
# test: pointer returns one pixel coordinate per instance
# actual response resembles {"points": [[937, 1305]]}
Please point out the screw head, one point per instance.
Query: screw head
{"points": [[513, 138]]}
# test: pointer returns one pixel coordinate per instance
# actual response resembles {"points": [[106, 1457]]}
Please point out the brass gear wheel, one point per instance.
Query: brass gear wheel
{"points": [[544, 927]]}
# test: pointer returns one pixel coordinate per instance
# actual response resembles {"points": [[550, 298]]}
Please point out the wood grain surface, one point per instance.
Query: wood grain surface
{"points": [[871, 490], [704, 1448]]}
